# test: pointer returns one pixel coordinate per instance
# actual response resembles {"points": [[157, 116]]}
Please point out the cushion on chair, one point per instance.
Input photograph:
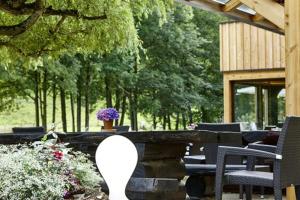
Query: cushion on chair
{"points": [[250, 177], [211, 168]]}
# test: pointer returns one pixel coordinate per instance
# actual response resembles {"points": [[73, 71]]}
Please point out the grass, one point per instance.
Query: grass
{"points": [[25, 116]]}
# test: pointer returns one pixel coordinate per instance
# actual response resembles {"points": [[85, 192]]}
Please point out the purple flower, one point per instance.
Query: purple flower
{"points": [[67, 194], [107, 114]]}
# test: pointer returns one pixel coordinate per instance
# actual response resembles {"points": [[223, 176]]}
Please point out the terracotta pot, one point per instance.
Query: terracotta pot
{"points": [[108, 124]]}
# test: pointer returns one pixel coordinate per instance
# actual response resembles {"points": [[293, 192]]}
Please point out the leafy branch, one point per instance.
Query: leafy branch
{"points": [[35, 10]]}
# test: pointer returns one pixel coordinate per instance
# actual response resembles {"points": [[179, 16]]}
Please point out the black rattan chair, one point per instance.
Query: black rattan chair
{"points": [[223, 127], [286, 163], [26, 130], [197, 169], [119, 128]]}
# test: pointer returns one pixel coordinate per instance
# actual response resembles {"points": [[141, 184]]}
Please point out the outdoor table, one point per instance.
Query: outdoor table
{"points": [[160, 168]]}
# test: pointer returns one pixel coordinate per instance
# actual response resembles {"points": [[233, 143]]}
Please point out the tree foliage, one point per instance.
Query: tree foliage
{"points": [[143, 58], [32, 28]]}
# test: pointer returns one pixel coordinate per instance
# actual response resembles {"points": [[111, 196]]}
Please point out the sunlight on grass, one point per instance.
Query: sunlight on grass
{"points": [[25, 116]]}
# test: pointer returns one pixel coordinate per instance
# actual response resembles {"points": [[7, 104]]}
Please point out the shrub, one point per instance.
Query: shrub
{"points": [[44, 170]]}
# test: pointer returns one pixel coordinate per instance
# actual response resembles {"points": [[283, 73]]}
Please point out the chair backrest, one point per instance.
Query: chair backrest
{"points": [[26, 130], [121, 128], [230, 127], [288, 146], [209, 140], [224, 139]]}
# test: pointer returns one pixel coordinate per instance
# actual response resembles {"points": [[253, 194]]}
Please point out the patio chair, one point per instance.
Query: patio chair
{"points": [[286, 161], [197, 169], [223, 127], [197, 156], [121, 128], [27, 130]]}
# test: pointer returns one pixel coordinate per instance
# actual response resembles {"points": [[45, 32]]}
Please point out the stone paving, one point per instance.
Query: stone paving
{"points": [[236, 197]]}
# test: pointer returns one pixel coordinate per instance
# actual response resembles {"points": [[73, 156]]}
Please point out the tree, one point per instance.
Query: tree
{"points": [[32, 28], [172, 79], [208, 26]]}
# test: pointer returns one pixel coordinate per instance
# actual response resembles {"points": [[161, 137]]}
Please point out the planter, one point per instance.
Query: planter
{"points": [[108, 125]]}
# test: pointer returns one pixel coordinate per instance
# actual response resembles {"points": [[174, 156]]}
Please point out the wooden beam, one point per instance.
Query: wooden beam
{"points": [[255, 75], [257, 17], [269, 9], [231, 5], [235, 14]]}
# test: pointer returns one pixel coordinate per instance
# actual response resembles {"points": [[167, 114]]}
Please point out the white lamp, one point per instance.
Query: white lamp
{"points": [[116, 158]]}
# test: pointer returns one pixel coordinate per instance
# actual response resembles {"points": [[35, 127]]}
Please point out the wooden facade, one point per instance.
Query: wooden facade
{"points": [[250, 55], [246, 47]]}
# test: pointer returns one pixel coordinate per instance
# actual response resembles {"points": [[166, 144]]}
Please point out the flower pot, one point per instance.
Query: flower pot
{"points": [[108, 125]]}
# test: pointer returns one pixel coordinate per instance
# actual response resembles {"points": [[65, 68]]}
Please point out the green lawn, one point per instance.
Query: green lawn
{"points": [[25, 116]]}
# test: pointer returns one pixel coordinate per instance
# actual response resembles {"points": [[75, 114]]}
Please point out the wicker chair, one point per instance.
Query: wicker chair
{"points": [[229, 127], [200, 164], [26, 130], [119, 128], [286, 161]]}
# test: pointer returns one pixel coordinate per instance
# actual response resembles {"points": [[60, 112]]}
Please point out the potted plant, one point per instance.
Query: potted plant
{"points": [[107, 115]]}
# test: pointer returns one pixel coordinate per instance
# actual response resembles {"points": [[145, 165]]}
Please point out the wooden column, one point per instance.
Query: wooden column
{"points": [[292, 39], [228, 99]]}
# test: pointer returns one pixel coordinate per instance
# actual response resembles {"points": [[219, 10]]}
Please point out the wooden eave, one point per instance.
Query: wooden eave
{"points": [[267, 14]]}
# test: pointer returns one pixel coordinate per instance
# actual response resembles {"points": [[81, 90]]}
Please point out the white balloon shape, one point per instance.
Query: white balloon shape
{"points": [[116, 158]]}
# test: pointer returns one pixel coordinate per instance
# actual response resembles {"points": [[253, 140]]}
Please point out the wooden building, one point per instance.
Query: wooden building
{"points": [[252, 56]]}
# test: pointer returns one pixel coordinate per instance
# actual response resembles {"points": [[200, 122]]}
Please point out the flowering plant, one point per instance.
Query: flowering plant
{"points": [[45, 170], [107, 114]]}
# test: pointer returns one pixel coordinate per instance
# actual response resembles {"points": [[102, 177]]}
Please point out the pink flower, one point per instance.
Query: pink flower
{"points": [[58, 155]]}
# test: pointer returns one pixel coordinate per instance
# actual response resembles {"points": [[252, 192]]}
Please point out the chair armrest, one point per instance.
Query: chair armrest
{"points": [[225, 150], [262, 147]]}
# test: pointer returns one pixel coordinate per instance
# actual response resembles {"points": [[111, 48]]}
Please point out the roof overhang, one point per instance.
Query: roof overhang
{"points": [[267, 14]]}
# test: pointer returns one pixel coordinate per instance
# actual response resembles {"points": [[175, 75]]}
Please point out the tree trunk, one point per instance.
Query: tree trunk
{"points": [[169, 122], [204, 116], [72, 112], [164, 122], [53, 102], [177, 122], [131, 111], [123, 110], [36, 98], [154, 121], [41, 102], [118, 103], [108, 93], [79, 93], [135, 98], [183, 121], [44, 117], [87, 98], [63, 109], [190, 115], [135, 112]]}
